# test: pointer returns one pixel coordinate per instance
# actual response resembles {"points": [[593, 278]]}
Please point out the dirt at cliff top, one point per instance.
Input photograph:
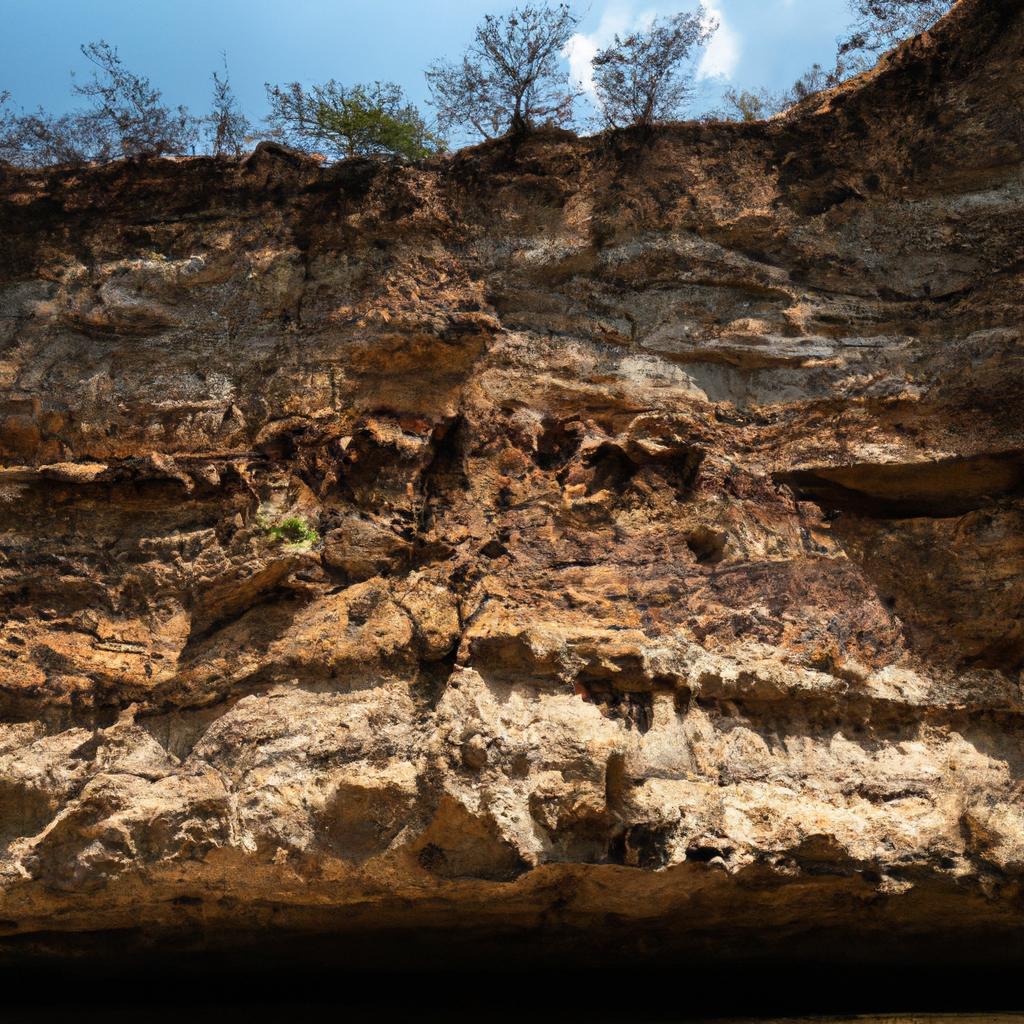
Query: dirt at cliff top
{"points": [[621, 537]]}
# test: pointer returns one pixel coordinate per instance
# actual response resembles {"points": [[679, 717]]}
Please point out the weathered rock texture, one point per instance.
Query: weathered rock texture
{"points": [[668, 490]]}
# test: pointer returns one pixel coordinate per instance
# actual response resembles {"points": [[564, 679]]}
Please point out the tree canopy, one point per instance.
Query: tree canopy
{"points": [[645, 77], [346, 121], [510, 77], [513, 77]]}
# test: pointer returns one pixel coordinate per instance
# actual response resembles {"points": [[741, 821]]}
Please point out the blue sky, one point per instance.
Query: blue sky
{"points": [[178, 43]]}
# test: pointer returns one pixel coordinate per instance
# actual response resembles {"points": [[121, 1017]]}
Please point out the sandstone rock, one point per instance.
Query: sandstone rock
{"points": [[362, 548], [666, 574]]}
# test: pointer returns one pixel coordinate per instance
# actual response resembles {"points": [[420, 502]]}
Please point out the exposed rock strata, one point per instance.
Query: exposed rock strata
{"points": [[670, 496]]}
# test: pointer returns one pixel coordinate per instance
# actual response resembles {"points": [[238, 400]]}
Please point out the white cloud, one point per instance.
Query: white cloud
{"points": [[722, 54], [580, 50]]}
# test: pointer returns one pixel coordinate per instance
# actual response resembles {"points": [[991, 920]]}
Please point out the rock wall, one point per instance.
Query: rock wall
{"points": [[612, 540]]}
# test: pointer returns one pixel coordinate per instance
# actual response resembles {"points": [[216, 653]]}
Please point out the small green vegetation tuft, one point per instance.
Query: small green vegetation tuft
{"points": [[293, 531]]}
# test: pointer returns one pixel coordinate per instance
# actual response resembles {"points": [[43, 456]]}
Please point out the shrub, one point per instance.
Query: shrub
{"points": [[346, 121], [757, 106], [293, 531], [751, 104]]}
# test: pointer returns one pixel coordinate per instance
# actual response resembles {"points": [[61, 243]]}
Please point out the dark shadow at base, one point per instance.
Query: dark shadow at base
{"points": [[427, 976]]}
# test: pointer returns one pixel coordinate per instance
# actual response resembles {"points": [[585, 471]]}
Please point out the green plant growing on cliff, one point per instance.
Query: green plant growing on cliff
{"points": [[293, 531], [347, 121], [646, 77], [510, 79]]}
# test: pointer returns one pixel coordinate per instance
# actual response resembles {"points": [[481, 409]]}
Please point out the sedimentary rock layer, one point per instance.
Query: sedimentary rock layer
{"points": [[621, 534]]}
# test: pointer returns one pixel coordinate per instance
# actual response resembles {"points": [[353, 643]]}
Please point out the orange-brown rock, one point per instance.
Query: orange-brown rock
{"points": [[619, 536]]}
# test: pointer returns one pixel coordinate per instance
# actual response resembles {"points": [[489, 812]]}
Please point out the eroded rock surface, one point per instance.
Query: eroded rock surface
{"points": [[668, 498]]}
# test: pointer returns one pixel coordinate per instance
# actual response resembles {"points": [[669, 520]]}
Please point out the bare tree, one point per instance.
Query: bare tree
{"points": [[882, 24], [346, 121], [39, 139], [510, 78], [126, 118], [226, 125], [646, 77], [126, 114]]}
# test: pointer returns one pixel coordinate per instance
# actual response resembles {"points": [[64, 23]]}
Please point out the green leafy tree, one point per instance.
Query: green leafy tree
{"points": [[511, 78], [646, 77], [346, 121]]}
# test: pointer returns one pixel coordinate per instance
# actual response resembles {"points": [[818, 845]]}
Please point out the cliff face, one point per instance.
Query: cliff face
{"points": [[669, 568]]}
